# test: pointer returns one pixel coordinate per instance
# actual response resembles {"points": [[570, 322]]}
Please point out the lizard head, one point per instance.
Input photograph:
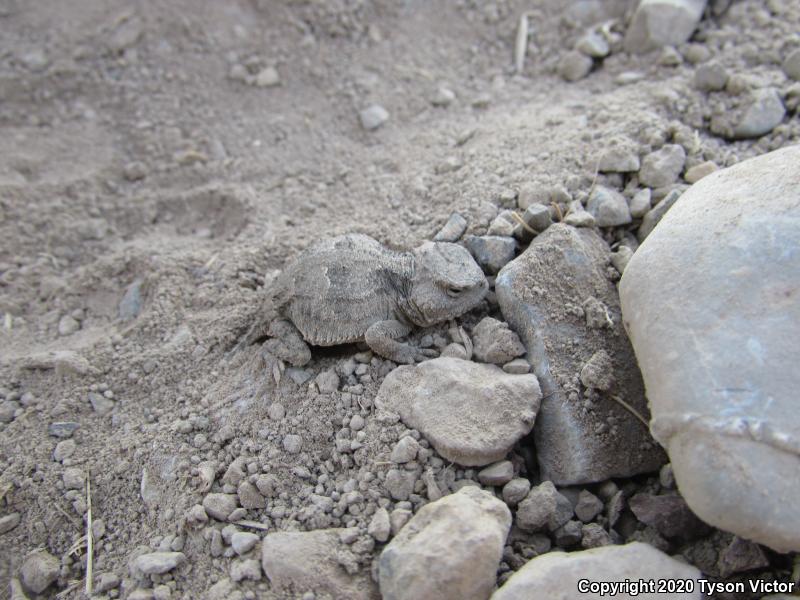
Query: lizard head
{"points": [[447, 282]]}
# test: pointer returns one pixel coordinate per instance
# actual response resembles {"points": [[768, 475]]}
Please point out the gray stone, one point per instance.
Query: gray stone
{"points": [[495, 343], [131, 304], [621, 258], [577, 216], [68, 325], [246, 570], [791, 64], [593, 44], [662, 167], [267, 77], [380, 526], [739, 556], [9, 522], [669, 515], [63, 429], [100, 404], [757, 114], [710, 77], [598, 372], [503, 224], [7, 411], [641, 203], [292, 443], [157, 563], [243, 541], [39, 570], [654, 215], [594, 536], [327, 382], [491, 252], [453, 230], [299, 376], [500, 473], [569, 534], [74, 478], [373, 117], [619, 158], [400, 484], [729, 421], [608, 207], [515, 491], [398, 518], [249, 496], [479, 414], [455, 351], [588, 506], [518, 366], [697, 172], [220, 506], [658, 23], [444, 96], [543, 509], [107, 581], [313, 561], [537, 217], [574, 445], [449, 550], [405, 450], [574, 65]]}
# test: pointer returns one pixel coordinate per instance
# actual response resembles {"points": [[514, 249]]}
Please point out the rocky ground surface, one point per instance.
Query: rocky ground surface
{"points": [[160, 162]]}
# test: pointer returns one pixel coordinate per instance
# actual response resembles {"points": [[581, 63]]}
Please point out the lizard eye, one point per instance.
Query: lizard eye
{"points": [[454, 292]]}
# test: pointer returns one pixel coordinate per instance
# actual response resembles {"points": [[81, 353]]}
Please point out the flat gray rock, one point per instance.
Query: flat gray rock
{"points": [[471, 413], [582, 435], [710, 303], [312, 561], [449, 550], [157, 563], [557, 574]]}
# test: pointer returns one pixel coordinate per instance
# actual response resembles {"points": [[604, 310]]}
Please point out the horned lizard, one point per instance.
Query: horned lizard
{"points": [[351, 288]]}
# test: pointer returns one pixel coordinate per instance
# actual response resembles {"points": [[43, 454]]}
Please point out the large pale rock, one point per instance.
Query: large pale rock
{"points": [[552, 296], [471, 413], [556, 575], [449, 550], [312, 561], [658, 23], [710, 301]]}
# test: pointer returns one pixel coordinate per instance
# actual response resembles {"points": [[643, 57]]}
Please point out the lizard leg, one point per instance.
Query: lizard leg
{"points": [[382, 336], [287, 343]]}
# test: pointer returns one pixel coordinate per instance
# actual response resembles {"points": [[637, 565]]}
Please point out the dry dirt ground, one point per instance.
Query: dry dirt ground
{"points": [[137, 150]]}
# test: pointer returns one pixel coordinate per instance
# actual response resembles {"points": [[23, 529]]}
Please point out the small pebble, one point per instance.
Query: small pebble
{"points": [[243, 541], [373, 117], [697, 172], [68, 325], [574, 65]]}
